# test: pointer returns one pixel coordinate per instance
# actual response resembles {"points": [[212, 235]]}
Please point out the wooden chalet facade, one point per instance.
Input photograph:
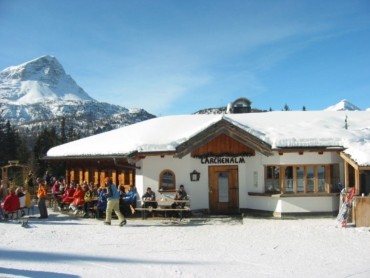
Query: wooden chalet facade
{"points": [[236, 170]]}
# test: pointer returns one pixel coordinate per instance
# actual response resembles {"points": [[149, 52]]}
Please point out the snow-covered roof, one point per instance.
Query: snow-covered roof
{"points": [[280, 129]]}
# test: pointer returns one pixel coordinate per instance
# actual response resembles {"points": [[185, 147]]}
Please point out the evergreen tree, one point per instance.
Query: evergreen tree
{"points": [[304, 108], [45, 141], [13, 147], [2, 142], [286, 108], [63, 136], [10, 143]]}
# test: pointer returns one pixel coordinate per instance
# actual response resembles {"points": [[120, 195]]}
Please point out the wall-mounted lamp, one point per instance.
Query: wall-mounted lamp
{"points": [[194, 176]]}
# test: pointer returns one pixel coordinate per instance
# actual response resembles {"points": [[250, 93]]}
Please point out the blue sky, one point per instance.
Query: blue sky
{"points": [[176, 57]]}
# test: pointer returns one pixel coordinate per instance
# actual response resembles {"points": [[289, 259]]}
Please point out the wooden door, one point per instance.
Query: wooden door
{"points": [[223, 189]]}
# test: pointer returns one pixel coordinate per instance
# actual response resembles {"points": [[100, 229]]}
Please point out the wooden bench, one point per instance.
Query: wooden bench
{"points": [[164, 206], [143, 210]]}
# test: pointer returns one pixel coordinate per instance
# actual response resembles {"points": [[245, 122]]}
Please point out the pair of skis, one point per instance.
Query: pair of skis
{"points": [[345, 209]]}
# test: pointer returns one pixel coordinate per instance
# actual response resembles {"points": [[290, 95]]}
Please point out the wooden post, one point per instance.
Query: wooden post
{"points": [[282, 179], [346, 175]]}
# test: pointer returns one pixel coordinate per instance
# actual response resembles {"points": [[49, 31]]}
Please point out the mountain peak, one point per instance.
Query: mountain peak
{"points": [[39, 80], [343, 105], [43, 69]]}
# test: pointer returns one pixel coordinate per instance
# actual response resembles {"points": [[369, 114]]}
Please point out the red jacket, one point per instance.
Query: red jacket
{"points": [[68, 195], [78, 197], [11, 203]]}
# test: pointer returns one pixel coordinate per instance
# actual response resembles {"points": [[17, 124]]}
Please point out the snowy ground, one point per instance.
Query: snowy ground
{"points": [[67, 246]]}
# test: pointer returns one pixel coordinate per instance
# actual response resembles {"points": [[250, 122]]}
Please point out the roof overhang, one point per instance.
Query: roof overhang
{"points": [[129, 162], [318, 149], [87, 157], [348, 159]]}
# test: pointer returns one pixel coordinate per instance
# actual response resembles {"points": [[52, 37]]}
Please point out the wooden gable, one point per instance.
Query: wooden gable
{"points": [[223, 139], [223, 145]]}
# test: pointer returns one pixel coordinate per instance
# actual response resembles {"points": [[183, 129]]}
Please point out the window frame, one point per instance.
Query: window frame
{"points": [[305, 175], [161, 181]]}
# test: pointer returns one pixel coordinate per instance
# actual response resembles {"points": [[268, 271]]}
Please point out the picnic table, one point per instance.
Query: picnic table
{"points": [[165, 205]]}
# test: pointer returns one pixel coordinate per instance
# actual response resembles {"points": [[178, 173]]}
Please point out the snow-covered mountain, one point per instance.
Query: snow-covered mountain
{"points": [[343, 105], [38, 93], [42, 79]]}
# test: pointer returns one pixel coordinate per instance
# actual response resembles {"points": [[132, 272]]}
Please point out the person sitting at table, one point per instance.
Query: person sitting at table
{"points": [[101, 205], [78, 198], [180, 195], [149, 199], [56, 193], [19, 191], [128, 200], [123, 206], [10, 203], [90, 199], [22, 199], [67, 197]]}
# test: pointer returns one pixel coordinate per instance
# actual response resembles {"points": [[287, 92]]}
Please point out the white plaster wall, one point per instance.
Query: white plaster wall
{"points": [[247, 182], [152, 166], [251, 179], [295, 204]]}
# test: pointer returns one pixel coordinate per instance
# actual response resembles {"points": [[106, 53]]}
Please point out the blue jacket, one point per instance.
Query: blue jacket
{"points": [[114, 193], [130, 197], [102, 200]]}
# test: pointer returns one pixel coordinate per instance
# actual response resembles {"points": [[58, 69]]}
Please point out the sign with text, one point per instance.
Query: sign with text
{"points": [[222, 160]]}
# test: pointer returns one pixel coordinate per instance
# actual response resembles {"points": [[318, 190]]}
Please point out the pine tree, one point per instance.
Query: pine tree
{"points": [[45, 141], [63, 136], [2, 142], [13, 147], [10, 143]]}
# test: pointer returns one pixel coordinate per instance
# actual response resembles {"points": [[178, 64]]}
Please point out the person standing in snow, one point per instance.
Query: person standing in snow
{"points": [[113, 197], [41, 195], [29, 183]]}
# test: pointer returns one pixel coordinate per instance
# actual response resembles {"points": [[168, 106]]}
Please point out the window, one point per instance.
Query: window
{"points": [[310, 178], [167, 181], [288, 179], [334, 177], [301, 178], [321, 178], [223, 187], [272, 179]]}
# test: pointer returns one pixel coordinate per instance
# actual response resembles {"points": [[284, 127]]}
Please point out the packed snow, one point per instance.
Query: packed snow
{"points": [[69, 246]]}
